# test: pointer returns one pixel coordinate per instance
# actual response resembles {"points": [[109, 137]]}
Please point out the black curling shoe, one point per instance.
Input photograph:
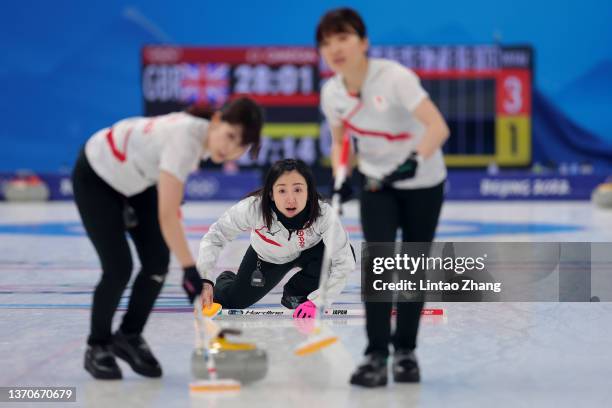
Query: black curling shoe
{"points": [[101, 364], [372, 372], [133, 349], [405, 367]]}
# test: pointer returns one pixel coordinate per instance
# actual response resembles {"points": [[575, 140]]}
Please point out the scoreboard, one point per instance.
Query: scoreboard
{"points": [[484, 92]]}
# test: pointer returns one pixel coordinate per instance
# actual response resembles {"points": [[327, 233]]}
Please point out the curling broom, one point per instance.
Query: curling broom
{"points": [[213, 384], [320, 338]]}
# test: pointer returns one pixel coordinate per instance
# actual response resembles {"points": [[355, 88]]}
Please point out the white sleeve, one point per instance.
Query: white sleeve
{"points": [[408, 89], [342, 258], [179, 156], [234, 221], [327, 101]]}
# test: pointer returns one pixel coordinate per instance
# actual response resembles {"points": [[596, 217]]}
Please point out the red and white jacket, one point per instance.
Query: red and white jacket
{"points": [[130, 155], [276, 245], [382, 122]]}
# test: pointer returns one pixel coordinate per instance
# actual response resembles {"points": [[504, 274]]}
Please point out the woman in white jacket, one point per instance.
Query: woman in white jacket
{"points": [[130, 177], [398, 133], [290, 226]]}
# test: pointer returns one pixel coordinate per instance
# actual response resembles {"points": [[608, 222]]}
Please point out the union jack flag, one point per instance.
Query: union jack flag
{"points": [[205, 83]]}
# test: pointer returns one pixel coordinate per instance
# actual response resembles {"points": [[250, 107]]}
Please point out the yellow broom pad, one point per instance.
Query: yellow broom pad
{"points": [[315, 345]]}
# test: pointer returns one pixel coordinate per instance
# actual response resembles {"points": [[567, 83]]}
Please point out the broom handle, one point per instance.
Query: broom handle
{"points": [[339, 179], [201, 340]]}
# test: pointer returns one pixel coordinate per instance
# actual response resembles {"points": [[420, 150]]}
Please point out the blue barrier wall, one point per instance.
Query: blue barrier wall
{"points": [[68, 68]]}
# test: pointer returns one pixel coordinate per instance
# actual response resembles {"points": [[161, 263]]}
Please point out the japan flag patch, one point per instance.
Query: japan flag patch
{"points": [[380, 103]]}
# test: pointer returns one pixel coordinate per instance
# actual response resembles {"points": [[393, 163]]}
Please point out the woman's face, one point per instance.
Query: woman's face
{"points": [[290, 193], [343, 52], [224, 140]]}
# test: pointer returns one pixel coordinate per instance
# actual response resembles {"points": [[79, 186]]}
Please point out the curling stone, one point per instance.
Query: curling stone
{"points": [[233, 360], [602, 195], [26, 188]]}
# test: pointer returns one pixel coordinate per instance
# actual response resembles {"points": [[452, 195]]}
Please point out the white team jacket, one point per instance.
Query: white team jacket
{"points": [[274, 245]]}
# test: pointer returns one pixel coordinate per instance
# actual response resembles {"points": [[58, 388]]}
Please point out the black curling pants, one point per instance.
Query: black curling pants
{"points": [[416, 212], [235, 291], [102, 211]]}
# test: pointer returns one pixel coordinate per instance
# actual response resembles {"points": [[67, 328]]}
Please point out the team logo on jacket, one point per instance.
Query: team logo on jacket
{"points": [[301, 239], [380, 103]]}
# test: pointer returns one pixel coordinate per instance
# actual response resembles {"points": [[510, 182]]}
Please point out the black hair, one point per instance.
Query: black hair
{"points": [[242, 111], [340, 20], [278, 169]]}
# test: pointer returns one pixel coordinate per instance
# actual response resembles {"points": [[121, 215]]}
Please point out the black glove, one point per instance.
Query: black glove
{"points": [[193, 283], [345, 191], [404, 171]]}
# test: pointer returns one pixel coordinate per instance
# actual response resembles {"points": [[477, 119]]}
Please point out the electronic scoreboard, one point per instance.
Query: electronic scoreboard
{"points": [[483, 91]]}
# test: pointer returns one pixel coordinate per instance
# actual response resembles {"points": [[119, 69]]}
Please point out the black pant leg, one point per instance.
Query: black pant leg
{"points": [[101, 210], [420, 213], [237, 292], [154, 258], [307, 279], [419, 220], [380, 221]]}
